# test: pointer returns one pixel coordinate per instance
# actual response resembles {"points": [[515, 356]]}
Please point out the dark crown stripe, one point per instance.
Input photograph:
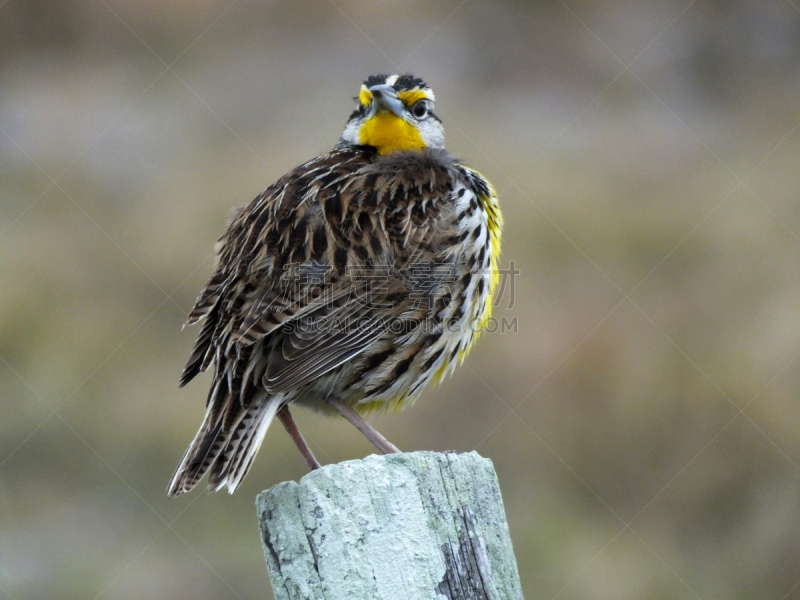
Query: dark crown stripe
{"points": [[404, 82]]}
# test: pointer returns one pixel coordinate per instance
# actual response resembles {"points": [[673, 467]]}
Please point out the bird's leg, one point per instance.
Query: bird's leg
{"points": [[372, 434], [291, 428]]}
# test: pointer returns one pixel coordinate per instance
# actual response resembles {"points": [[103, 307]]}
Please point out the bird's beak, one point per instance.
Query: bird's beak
{"points": [[384, 98]]}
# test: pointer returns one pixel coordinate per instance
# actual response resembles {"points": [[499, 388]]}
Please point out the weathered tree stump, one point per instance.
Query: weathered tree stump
{"points": [[421, 525]]}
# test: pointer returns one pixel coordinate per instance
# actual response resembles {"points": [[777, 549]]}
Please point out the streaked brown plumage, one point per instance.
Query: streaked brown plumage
{"points": [[359, 276]]}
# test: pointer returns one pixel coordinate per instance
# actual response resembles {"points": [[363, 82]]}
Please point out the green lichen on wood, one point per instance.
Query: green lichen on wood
{"points": [[420, 525]]}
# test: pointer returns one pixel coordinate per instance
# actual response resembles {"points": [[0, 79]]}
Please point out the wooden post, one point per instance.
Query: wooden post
{"points": [[410, 526]]}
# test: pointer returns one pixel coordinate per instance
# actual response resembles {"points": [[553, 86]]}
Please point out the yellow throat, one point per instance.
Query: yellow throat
{"points": [[388, 132]]}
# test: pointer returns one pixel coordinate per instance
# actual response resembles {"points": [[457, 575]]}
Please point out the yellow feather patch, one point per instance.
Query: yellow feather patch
{"points": [[409, 97], [381, 406], [388, 133], [365, 96], [492, 209]]}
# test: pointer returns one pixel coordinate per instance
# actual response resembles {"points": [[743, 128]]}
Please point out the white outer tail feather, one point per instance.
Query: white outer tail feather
{"points": [[242, 459], [239, 459]]}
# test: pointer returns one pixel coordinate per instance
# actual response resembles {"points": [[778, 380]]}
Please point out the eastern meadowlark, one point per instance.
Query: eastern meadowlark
{"points": [[348, 285]]}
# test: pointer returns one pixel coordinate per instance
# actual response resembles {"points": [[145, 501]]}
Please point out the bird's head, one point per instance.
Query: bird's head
{"points": [[394, 112]]}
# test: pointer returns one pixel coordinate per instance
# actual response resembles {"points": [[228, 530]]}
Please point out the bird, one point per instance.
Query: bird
{"points": [[347, 286]]}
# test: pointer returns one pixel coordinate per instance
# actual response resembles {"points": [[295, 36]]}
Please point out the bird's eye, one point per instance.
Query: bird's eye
{"points": [[420, 109]]}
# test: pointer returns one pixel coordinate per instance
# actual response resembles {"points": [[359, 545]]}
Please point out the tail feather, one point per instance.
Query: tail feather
{"points": [[226, 443], [241, 446]]}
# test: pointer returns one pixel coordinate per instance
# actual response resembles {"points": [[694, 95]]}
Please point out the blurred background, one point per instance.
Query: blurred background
{"points": [[643, 418]]}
